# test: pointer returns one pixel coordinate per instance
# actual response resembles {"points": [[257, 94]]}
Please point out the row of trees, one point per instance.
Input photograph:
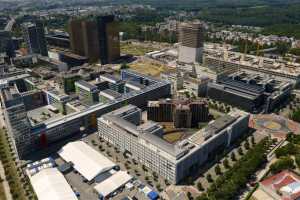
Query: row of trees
{"points": [[228, 185], [20, 187]]}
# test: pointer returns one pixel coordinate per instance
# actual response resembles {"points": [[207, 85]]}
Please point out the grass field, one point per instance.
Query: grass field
{"points": [[173, 137], [136, 50], [149, 68]]}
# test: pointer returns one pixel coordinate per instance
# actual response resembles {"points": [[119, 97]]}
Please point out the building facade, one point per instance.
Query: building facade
{"points": [[174, 162], [96, 39], [184, 113], [34, 35], [191, 38]]}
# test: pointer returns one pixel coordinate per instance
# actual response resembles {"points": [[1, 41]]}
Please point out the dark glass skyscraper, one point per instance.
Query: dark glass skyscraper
{"points": [[6, 43], [34, 35], [97, 39]]}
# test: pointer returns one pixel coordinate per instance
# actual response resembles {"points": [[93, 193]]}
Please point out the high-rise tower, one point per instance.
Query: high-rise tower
{"points": [[34, 35], [191, 38], [96, 39]]}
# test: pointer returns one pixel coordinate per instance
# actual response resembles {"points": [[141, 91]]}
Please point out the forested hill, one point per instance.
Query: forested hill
{"points": [[200, 4]]}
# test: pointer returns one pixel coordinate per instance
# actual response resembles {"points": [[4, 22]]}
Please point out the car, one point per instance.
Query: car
{"points": [[117, 168], [76, 192]]}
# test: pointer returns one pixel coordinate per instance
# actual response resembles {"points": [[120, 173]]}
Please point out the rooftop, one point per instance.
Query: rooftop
{"points": [[257, 62], [284, 185], [111, 94], [43, 114], [212, 128], [112, 183], [84, 84], [87, 161], [50, 184]]}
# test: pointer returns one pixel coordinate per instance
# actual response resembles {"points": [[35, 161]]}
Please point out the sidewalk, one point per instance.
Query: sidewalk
{"points": [[5, 183]]}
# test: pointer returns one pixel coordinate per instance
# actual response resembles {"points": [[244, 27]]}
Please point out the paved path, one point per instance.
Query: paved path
{"points": [[5, 183]]}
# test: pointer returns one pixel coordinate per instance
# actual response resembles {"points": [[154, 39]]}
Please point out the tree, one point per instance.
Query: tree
{"points": [[252, 140], [202, 197], [189, 195], [228, 185], [218, 170], [226, 163], [240, 151], [297, 160], [199, 186], [247, 145], [124, 66], [289, 149], [233, 157], [282, 164], [209, 178]]}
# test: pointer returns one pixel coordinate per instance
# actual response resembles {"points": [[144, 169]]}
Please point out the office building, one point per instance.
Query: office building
{"points": [[114, 83], [63, 115], [87, 92], [16, 120], [96, 39], [250, 91], [184, 113], [6, 43], [108, 95], [174, 162], [72, 60], [57, 99], [109, 39], [224, 60], [34, 35], [58, 40], [76, 36], [191, 38]]}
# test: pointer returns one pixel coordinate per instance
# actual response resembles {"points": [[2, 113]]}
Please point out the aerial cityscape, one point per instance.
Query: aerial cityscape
{"points": [[149, 100]]}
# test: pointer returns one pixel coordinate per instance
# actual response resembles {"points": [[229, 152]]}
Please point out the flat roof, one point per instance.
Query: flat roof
{"points": [[50, 184], [86, 160], [43, 114], [110, 78], [111, 94], [85, 84], [112, 183], [212, 129], [134, 85]]}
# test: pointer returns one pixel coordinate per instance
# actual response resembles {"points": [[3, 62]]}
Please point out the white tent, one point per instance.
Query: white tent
{"points": [[113, 183], [50, 184], [86, 160]]}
